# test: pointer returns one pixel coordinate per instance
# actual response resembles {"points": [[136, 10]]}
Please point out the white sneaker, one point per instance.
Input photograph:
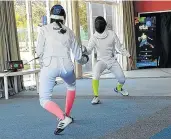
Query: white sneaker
{"points": [[122, 92], [69, 117], [95, 100], [62, 125]]}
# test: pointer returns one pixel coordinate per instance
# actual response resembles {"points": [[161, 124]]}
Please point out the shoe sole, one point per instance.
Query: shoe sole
{"points": [[96, 103], [120, 93], [58, 130]]}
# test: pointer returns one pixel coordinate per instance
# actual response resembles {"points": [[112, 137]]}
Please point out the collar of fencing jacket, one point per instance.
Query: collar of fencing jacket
{"points": [[102, 35]]}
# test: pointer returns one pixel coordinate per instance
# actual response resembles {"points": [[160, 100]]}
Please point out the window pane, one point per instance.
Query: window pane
{"points": [[97, 9], [108, 10], [83, 21]]}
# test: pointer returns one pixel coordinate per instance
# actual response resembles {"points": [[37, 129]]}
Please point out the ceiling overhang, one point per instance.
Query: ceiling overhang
{"points": [[110, 2]]}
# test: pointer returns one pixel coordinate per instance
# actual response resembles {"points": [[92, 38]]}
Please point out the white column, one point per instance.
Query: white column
{"points": [[104, 11], [117, 20], [69, 20], [113, 21], [76, 29], [91, 17], [29, 29], [30, 36], [6, 87], [91, 29], [48, 11], [69, 11], [64, 5]]}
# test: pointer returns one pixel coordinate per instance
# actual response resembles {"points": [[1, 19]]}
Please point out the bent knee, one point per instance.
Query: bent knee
{"points": [[44, 100], [72, 86], [96, 75]]}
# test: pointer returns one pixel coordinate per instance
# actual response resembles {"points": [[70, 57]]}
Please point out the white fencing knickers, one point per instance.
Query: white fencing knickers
{"points": [[115, 68], [48, 78]]}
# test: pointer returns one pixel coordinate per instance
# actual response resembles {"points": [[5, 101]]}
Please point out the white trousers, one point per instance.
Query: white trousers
{"points": [[48, 76], [116, 69]]}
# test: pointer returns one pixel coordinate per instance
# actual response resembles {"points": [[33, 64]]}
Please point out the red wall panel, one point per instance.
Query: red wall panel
{"points": [[151, 6]]}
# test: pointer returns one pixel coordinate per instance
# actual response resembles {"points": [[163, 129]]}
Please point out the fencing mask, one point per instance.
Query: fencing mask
{"points": [[100, 24]]}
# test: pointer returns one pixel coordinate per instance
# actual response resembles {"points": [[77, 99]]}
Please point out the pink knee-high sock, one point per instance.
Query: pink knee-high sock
{"points": [[54, 109], [70, 97]]}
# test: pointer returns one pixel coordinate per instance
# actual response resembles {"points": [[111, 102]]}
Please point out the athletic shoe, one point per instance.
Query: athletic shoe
{"points": [[122, 92], [67, 116], [62, 125], [95, 100]]}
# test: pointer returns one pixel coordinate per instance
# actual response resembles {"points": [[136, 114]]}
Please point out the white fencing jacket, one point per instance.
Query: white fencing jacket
{"points": [[106, 44], [55, 47]]}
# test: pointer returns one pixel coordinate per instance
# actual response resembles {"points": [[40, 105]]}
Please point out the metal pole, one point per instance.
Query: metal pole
{"points": [[91, 30], [69, 10], [29, 29], [91, 17], [76, 28], [64, 4], [30, 36]]}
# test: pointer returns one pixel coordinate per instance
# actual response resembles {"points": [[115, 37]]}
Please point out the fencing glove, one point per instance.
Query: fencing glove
{"points": [[84, 59], [84, 50]]}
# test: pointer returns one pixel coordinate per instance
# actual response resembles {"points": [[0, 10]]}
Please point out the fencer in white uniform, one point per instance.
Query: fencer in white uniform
{"points": [[55, 41], [106, 42]]}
